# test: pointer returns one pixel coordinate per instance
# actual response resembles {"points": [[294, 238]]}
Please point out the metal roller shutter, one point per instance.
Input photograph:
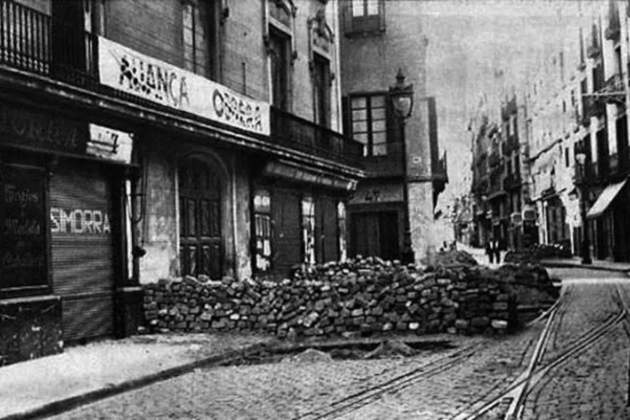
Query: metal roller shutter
{"points": [[82, 252]]}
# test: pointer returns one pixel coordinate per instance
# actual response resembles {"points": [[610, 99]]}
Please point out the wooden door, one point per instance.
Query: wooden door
{"points": [[388, 228], [200, 219]]}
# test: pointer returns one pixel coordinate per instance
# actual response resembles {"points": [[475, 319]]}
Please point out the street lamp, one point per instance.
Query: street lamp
{"points": [[581, 183], [401, 95]]}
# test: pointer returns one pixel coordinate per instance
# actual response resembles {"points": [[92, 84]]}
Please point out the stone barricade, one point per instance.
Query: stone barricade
{"points": [[357, 298]]}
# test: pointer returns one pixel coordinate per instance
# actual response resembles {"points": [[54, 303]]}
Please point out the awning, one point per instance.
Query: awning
{"points": [[605, 198]]}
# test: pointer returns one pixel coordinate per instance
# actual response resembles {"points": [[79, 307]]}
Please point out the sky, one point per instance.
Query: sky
{"points": [[485, 47]]}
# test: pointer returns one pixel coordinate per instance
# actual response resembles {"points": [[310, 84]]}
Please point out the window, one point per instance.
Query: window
{"points": [[341, 231], [321, 79], [23, 238], [262, 230], [279, 50], [361, 8], [566, 157], [364, 16], [308, 230], [196, 36], [369, 117]]}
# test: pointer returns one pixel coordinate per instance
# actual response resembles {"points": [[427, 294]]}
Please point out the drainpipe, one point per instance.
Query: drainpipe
{"points": [[234, 213]]}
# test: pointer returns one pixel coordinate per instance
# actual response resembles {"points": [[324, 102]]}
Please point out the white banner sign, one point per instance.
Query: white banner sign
{"points": [[127, 70]]}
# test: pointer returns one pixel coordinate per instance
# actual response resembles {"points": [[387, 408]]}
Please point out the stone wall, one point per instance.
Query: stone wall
{"points": [[357, 298], [30, 328]]}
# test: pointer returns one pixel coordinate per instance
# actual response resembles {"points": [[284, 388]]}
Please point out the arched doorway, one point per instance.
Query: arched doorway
{"points": [[201, 250]]}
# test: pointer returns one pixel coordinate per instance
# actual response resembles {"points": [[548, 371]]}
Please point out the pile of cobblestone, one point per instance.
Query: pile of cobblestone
{"points": [[356, 298], [452, 258]]}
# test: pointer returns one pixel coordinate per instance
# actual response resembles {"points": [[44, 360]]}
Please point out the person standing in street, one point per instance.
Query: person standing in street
{"points": [[496, 248], [489, 251]]}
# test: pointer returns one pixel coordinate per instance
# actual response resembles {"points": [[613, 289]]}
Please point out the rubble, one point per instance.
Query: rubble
{"points": [[357, 298]]}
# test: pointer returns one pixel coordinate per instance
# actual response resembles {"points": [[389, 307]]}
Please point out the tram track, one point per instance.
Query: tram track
{"points": [[516, 394], [548, 354], [358, 400]]}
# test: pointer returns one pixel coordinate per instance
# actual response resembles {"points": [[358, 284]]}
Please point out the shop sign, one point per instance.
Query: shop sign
{"points": [[79, 221], [296, 174], [516, 218], [125, 69], [529, 214], [24, 127], [110, 144]]}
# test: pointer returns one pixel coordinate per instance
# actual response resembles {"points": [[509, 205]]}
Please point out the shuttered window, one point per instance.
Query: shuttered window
{"points": [[196, 34], [279, 52]]}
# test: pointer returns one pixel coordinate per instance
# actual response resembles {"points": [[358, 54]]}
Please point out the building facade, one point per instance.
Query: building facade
{"points": [[502, 206], [142, 140], [580, 138], [383, 54]]}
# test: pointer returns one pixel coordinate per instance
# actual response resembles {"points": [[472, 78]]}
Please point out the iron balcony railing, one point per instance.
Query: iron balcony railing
{"points": [[298, 133], [388, 162], [512, 181], [494, 159], [35, 42]]}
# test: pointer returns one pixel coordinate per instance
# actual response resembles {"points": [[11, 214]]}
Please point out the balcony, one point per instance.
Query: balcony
{"points": [[494, 159], [28, 42], [512, 181], [31, 43], [591, 108], [297, 133], [390, 164], [612, 91]]}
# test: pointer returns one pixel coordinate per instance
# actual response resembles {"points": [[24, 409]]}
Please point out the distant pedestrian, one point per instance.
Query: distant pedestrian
{"points": [[489, 251], [496, 248]]}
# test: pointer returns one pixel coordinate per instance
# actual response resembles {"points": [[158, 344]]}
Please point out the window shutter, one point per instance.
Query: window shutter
{"points": [[347, 17], [390, 123], [381, 15], [347, 116]]}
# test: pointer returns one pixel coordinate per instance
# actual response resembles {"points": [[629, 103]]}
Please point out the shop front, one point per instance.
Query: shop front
{"points": [[63, 272], [608, 223], [298, 217]]}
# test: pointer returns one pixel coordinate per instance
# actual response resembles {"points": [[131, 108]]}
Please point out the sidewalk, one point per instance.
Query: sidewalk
{"points": [[576, 262], [50, 384], [480, 255]]}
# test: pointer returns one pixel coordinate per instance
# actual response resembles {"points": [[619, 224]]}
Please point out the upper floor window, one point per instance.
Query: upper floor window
{"points": [[321, 78], [364, 16], [362, 8], [368, 116], [279, 55], [196, 34]]}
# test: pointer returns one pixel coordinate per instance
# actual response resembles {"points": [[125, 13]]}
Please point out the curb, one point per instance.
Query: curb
{"points": [[66, 404], [70, 403], [585, 266]]}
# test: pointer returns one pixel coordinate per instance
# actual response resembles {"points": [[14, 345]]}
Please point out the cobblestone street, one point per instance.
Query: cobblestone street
{"points": [[451, 383]]}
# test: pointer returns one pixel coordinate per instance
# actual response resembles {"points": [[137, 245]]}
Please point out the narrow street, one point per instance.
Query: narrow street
{"points": [[571, 364]]}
